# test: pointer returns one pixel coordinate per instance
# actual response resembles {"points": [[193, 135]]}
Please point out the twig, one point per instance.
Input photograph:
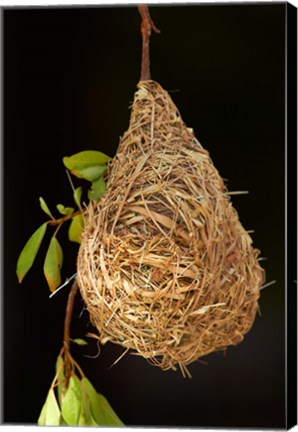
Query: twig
{"points": [[146, 26], [67, 321], [65, 218]]}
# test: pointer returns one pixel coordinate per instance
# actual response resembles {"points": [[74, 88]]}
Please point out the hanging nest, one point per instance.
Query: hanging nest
{"points": [[165, 267]]}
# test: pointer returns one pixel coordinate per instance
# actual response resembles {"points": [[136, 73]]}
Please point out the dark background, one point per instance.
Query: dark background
{"points": [[69, 78]]}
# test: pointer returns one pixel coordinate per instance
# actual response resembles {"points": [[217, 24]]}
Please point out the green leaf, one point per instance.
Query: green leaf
{"points": [[72, 403], [76, 228], [85, 159], [29, 252], [82, 419], [89, 173], [50, 413], [45, 208], [53, 264], [60, 378], [42, 416], [101, 410], [78, 341], [86, 411], [64, 210], [77, 196], [98, 188]]}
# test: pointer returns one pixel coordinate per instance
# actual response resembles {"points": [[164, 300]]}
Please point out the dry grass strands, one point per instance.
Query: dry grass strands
{"points": [[165, 267]]}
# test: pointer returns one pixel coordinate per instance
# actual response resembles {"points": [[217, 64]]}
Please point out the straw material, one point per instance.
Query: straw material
{"points": [[165, 267]]}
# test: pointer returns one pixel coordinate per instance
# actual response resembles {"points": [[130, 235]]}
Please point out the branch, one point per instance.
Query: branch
{"points": [[67, 321], [64, 218], [146, 26]]}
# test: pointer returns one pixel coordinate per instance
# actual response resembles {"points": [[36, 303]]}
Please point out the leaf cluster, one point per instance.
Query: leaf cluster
{"points": [[88, 165], [71, 400], [76, 402]]}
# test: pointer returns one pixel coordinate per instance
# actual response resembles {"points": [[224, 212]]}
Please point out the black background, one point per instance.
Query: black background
{"points": [[69, 78]]}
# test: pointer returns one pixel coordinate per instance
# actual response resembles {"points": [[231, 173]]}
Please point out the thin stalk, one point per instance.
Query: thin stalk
{"points": [[67, 322], [64, 218], [146, 26]]}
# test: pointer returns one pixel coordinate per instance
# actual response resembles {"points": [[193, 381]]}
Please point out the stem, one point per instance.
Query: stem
{"points": [[72, 360], [57, 229], [146, 26], [68, 314], [64, 218]]}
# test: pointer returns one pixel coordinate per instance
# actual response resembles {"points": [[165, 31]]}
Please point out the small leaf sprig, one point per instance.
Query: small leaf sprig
{"points": [[89, 165], [74, 401], [71, 400]]}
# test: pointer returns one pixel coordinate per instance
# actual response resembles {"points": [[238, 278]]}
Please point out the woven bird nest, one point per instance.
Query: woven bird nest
{"points": [[165, 267]]}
